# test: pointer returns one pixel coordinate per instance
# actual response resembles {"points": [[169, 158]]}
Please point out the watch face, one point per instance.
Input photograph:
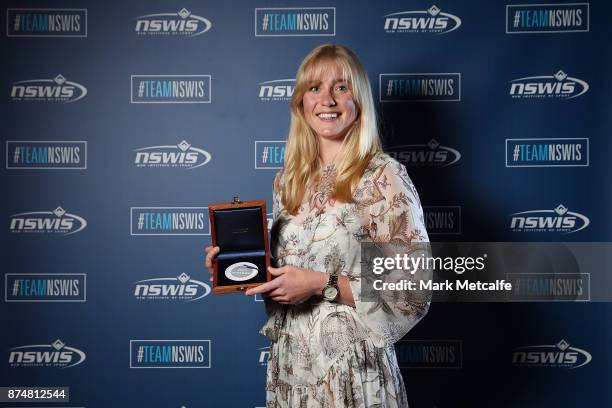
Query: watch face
{"points": [[330, 292]]}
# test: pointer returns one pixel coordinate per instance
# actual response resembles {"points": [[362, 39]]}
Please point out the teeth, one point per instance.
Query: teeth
{"points": [[328, 115]]}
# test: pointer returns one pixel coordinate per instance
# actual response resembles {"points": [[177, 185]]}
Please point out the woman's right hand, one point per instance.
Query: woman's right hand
{"points": [[211, 252]]}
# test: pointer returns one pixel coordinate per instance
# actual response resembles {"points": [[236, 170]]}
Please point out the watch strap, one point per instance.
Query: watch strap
{"points": [[333, 280]]}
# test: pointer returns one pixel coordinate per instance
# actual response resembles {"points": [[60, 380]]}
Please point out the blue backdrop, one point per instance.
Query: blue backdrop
{"points": [[121, 121]]}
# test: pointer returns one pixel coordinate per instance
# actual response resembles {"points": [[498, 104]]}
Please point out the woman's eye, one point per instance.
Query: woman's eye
{"points": [[342, 88], [314, 88]]}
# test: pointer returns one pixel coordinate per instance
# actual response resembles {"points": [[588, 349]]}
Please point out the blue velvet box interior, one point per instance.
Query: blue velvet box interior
{"points": [[240, 235]]}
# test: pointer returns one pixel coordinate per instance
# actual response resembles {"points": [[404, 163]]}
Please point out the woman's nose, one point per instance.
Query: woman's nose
{"points": [[327, 98]]}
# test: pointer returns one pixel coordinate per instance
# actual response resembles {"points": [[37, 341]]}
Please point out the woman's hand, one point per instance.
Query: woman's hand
{"points": [[211, 252], [292, 285]]}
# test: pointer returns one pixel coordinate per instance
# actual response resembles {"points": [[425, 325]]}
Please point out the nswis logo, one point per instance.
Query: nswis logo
{"points": [[558, 220], [420, 87], [547, 18], [47, 22], [44, 287], [182, 23], [182, 155], [429, 353], [57, 221], [431, 154], [560, 355], [432, 20], [46, 155], [277, 90], [57, 355], [269, 154], [548, 86], [171, 89], [170, 354], [442, 219], [180, 288], [549, 287], [563, 152], [58, 89], [295, 21], [169, 221]]}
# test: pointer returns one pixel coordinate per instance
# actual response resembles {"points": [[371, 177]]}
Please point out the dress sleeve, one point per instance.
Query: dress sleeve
{"points": [[392, 216]]}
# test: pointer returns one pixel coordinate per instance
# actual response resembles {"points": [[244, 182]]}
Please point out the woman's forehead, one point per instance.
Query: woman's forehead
{"points": [[327, 68]]}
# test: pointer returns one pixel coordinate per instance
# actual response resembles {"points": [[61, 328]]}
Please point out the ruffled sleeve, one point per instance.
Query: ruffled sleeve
{"points": [[392, 220]]}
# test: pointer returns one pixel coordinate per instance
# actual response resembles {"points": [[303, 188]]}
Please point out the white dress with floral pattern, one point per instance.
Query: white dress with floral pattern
{"points": [[327, 354]]}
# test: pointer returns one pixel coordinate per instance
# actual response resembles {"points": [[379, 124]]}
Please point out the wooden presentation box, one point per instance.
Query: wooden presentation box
{"points": [[240, 230]]}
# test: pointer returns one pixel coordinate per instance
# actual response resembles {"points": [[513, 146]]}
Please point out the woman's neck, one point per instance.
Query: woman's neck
{"points": [[329, 151]]}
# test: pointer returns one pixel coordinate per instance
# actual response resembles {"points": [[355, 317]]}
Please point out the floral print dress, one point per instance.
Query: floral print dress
{"points": [[327, 354]]}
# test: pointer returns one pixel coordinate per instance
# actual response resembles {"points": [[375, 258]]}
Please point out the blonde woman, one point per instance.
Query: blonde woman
{"points": [[329, 347]]}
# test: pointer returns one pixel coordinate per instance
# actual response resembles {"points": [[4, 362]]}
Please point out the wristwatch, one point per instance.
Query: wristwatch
{"points": [[330, 292]]}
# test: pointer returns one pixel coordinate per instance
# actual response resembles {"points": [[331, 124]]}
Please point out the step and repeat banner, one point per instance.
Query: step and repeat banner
{"points": [[122, 121]]}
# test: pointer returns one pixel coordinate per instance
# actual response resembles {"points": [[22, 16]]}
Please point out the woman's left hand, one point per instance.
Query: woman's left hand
{"points": [[292, 284]]}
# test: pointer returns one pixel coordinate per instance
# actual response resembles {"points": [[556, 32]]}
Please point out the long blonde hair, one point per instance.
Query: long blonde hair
{"points": [[360, 143]]}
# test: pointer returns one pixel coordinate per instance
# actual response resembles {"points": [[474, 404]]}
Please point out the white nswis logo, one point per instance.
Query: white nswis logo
{"points": [[180, 288], [551, 355], [46, 355], [181, 155], [432, 20], [559, 219], [57, 89], [180, 23], [277, 90], [431, 154], [56, 221], [559, 85]]}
